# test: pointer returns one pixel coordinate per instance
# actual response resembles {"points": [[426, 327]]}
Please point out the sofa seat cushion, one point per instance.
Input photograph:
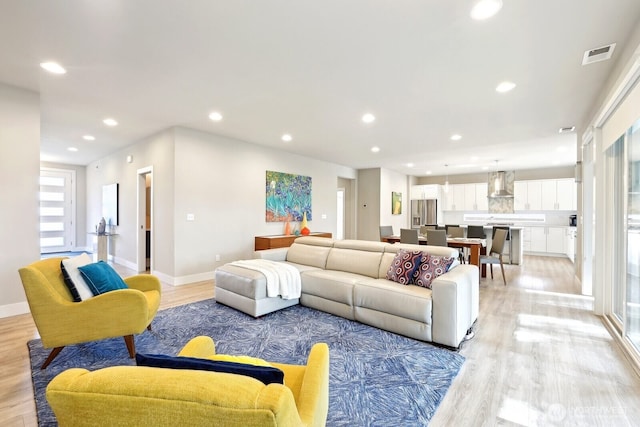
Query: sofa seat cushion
{"points": [[242, 281], [407, 301], [329, 284]]}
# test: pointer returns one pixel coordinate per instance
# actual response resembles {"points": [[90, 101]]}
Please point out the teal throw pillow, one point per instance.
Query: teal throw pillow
{"points": [[101, 278]]}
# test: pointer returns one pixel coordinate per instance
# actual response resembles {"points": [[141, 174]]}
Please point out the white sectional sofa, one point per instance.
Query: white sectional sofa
{"points": [[348, 278]]}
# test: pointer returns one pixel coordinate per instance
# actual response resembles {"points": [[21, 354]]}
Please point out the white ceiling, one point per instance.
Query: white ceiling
{"points": [[312, 69]]}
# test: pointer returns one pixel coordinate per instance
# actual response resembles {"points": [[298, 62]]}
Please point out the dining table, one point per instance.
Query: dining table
{"points": [[476, 247]]}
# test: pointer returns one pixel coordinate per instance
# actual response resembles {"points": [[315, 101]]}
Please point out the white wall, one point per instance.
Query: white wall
{"points": [[19, 173], [158, 151], [391, 181], [221, 181]]}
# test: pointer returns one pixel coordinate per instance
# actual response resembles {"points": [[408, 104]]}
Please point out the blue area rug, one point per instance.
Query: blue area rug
{"points": [[377, 378]]}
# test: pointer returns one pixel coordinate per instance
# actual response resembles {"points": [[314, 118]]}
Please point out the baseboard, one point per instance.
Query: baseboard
{"points": [[165, 278], [14, 309], [183, 280], [123, 262]]}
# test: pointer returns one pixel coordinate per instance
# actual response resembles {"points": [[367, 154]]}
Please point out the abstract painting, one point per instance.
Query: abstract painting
{"points": [[288, 197], [396, 203]]}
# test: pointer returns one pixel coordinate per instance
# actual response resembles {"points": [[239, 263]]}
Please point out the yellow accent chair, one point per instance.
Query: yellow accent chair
{"points": [[137, 395], [61, 321]]}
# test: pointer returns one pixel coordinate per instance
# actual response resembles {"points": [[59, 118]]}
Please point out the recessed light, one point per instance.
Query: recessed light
{"points": [[74, 149], [456, 137], [567, 129], [375, 149], [110, 122], [505, 87], [428, 172], [53, 67], [215, 116], [410, 165], [485, 168], [286, 137], [89, 137], [368, 118], [485, 9], [561, 149]]}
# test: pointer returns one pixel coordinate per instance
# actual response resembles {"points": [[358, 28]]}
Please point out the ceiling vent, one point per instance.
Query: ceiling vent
{"points": [[598, 54]]}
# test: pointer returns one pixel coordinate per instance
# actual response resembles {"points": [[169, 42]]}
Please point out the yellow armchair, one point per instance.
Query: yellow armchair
{"points": [[136, 395], [61, 321]]}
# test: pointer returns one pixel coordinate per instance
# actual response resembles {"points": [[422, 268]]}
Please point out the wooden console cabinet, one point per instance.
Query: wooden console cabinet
{"points": [[281, 241]]}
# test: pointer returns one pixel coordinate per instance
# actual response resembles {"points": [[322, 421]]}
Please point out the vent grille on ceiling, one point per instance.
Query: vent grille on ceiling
{"points": [[598, 54]]}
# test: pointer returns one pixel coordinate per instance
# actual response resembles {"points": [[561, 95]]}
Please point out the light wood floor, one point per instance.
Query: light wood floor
{"points": [[539, 357]]}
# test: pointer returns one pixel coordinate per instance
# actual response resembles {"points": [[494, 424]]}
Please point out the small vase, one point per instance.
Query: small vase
{"points": [[287, 228]]}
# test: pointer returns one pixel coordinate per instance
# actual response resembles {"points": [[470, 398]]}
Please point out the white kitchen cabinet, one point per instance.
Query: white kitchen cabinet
{"points": [[538, 239], [426, 191], [469, 197], [550, 240], [520, 196], [417, 192], [482, 203], [528, 195], [549, 195], [566, 194], [545, 195], [448, 197], [556, 240]]}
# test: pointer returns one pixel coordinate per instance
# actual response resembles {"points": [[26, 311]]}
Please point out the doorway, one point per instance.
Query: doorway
{"points": [[57, 216], [145, 220]]}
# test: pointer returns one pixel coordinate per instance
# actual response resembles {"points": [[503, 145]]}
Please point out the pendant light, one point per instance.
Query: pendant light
{"points": [[446, 181]]}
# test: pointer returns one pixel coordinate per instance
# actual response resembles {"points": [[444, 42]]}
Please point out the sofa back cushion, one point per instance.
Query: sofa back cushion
{"points": [[356, 256], [312, 251]]}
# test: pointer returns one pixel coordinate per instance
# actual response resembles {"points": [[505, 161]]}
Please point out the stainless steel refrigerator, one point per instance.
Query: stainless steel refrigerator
{"points": [[424, 212]]}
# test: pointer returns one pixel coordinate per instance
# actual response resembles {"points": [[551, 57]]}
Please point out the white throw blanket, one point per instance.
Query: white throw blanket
{"points": [[282, 279]]}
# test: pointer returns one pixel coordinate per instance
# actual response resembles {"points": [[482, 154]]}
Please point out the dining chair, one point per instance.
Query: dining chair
{"points": [[457, 232], [385, 230], [436, 237], [495, 254], [409, 235], [476, 232], [508, 238], [424, 228]]}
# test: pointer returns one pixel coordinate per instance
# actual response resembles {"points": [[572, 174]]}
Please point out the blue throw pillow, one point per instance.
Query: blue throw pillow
{"points": [[101, 278], [265, 374]]}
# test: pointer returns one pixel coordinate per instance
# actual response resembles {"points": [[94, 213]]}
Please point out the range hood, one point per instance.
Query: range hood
{"points": [[498, 186]]}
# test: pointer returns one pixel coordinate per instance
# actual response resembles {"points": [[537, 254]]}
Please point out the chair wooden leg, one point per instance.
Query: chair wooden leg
{"points": [[52, 356], [491, 268], [504, 279], [149, 327], [131, 345]]}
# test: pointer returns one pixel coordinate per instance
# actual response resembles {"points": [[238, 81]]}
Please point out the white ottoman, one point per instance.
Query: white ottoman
{"points": [[246, 290]]}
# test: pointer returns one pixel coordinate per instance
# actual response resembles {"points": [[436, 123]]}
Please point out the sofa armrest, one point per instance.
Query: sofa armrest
{"points": [[277, 254], [456, 303]]}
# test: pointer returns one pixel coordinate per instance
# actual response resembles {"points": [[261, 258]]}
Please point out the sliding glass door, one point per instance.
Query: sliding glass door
{"points": [[623, 186], [632, 294]]}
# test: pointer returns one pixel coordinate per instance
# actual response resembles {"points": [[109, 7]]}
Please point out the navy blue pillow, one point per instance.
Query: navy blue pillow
{"points": [[266, 374], [101, 278]]}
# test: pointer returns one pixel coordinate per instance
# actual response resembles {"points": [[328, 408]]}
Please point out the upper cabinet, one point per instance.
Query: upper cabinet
{"points": [[545, 195], [428, 191], [466, 197]]}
